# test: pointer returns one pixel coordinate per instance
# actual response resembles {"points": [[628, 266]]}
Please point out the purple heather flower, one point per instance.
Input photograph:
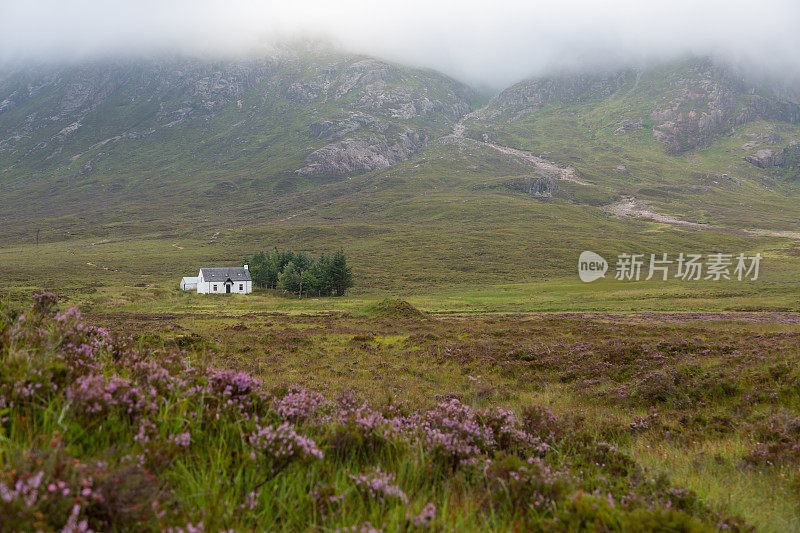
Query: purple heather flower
{"points": [[378, 485], [425, 516]]}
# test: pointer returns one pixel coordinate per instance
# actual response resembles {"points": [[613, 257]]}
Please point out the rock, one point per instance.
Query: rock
{"points": [[67, 131], [358, 154], [302, 93], [709, 101], [622, 169], [765, 158], [751, 145], [340, 128], [788, 158], [533, 185], [6, 105], [628, 126], [527, 97]]}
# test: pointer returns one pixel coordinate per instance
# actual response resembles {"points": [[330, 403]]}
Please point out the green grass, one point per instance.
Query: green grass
{"points": [[710, 468], [507, 321], [591, 369]]}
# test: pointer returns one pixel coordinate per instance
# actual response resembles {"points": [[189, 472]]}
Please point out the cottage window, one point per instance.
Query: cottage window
{"points": [[215, 288], [241, 287]]}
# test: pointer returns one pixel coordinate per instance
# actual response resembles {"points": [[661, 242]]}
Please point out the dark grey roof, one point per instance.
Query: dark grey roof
{"points": [[222, 274]]}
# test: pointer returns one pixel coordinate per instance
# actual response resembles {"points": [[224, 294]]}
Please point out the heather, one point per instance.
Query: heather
{"points": [[103, 429]]}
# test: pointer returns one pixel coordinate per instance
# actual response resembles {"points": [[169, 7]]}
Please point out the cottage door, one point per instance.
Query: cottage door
{"points": [[228, 288]]}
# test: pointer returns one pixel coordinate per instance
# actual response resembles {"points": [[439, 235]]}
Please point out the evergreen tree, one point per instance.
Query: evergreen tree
{"points": [[289, 279], [341, 276], [299, 272], [311, 284]]}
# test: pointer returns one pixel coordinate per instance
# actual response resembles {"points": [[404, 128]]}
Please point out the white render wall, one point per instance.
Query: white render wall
{"points": [[188, 285], [218, 287]]}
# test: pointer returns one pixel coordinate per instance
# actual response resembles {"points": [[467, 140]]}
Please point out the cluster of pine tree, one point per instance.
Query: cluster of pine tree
{"points": [[300, 273]]}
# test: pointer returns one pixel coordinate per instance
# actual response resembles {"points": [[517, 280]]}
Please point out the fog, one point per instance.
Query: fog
{"points": [[490, 43]]}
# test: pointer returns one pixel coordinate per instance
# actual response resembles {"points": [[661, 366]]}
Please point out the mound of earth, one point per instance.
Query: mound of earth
{"points": [[395, 307]]}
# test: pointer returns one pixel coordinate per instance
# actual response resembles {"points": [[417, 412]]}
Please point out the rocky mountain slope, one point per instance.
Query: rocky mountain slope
{"points": [[686, 105], [302, 112], [164, 144]]}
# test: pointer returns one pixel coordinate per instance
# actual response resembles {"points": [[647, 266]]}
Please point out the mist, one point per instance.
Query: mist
{"points": [[484, 43]]}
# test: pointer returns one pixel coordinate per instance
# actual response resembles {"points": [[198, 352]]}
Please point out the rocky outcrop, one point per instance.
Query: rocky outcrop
{"points": [[697, 104], [386, 108], [360, 154], [625, 126], [765, 158], [788, 158], [529, 96], [369, 113], [708, 101], [340, 128], [688, 104]]}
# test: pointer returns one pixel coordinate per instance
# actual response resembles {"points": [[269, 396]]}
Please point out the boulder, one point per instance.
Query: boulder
{"points": [[766, 158]]}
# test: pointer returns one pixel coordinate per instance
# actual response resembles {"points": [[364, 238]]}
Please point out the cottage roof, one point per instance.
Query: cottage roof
{"points": [[225, 273], [189, 279]]}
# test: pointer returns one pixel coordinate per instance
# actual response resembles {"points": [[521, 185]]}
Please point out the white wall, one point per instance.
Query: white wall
{"points": [[207, 287], [202, 286]]}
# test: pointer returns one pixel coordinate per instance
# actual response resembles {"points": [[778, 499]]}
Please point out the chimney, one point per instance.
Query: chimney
{"points": [[245, 267]]}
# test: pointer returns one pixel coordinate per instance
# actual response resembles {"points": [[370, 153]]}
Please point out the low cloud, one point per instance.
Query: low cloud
{"points": [[491, 43]]}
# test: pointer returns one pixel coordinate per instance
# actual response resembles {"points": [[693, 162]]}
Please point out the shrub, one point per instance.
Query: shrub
{"points": [[452, 433], [298, 404], [377, 485], [524, 486], [541, 422], [590, 513], [46, 488], [280, 445], [656, 387], [777, 440], [44, 303]]}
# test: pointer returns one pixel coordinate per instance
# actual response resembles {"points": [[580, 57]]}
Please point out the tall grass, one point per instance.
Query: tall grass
{"points": [[102, 432]]}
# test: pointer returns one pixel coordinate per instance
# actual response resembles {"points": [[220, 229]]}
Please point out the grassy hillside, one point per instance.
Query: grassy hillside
{"points": [[145, 139], [456, 214], [612, 129]]}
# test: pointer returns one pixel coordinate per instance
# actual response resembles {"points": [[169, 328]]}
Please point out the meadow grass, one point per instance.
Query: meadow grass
{"points": [[667, 387], [123, 432]]}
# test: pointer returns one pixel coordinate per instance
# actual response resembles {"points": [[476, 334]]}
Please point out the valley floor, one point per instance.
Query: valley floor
{"points": [[661, 397], [706, 398]]}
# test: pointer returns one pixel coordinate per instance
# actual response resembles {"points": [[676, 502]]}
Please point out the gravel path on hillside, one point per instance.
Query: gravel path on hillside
{"points": [[547, 168], [627, 207], [631, 207]]}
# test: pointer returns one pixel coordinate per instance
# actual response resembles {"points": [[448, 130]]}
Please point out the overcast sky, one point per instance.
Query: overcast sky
{"points": [[492, 42]]}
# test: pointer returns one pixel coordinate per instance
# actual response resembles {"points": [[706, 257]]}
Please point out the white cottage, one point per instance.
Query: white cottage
{"points": [[224, 280], [189, 283]]}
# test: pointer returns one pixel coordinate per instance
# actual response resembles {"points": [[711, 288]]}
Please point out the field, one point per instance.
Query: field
{"points": [[616, 419], [506, 395], [468, 382], [684, 394]]}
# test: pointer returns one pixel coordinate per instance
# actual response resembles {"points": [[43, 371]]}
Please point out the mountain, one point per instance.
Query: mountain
{"points": [[686, 106], [143, 131], [309, 148], [696, 137]]}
